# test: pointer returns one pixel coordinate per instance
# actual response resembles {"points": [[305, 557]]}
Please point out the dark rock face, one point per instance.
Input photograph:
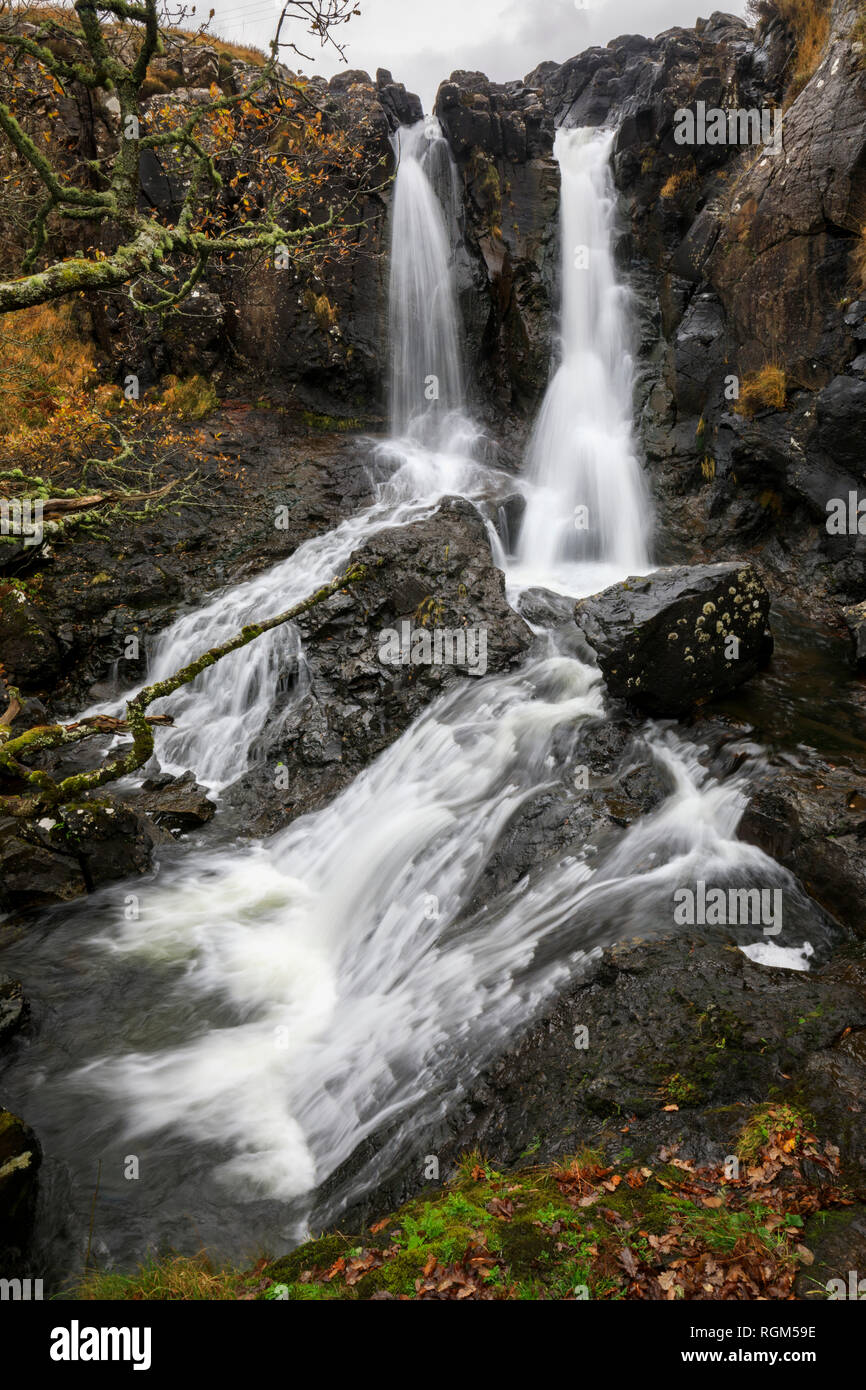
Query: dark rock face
{"points": [[62, 856], [174, 803], [681, 636], [401, 107], [28, 651], [20, 1157], [433, 574], [689, 1023], [820, 835], [855, 619], [501, 137]]}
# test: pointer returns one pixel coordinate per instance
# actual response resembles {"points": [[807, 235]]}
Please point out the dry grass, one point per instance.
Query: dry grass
{"points": [[179, 1279], [809, 24], [44, 364], [240, 52], [679, 180], [191, 398], [64, 14], [762, 390]]}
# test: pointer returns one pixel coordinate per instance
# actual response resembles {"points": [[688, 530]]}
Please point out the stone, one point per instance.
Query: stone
{"points": [[681, 636]]}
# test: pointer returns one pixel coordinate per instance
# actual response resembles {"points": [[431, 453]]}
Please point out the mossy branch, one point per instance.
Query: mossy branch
{"points": [[146, 245], [50, 793]]}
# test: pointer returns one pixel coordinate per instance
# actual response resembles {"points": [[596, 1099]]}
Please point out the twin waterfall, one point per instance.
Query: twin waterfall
{"points": [[270, 1010]]}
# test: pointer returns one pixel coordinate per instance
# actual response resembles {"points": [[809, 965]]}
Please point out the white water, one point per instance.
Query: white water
{"points": [[426, 371], [338, 978], [232, 714], [587, 520]]}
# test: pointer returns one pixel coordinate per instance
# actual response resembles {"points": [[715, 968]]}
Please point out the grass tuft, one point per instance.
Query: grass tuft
{"points": [[762, 390]]}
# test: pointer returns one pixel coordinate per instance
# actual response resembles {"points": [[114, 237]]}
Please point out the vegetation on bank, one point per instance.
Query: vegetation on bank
{"points": [[593, 1228]]}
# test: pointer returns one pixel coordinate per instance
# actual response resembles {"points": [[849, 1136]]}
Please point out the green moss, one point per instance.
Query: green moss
{"points": [[316, 1254], [331, 424], [316, 1293]]}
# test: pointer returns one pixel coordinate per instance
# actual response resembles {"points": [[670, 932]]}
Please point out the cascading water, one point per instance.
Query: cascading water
{"points": [[229, 716], [587, 514], [426, 373], [270, 1006]]}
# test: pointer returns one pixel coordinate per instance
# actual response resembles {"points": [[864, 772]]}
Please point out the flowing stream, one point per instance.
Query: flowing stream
{"points": [[245, 1018]]}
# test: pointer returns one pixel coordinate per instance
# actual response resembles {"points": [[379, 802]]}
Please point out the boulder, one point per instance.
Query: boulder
{"points": [[66, 854], [174, 803], [436, 575], [33, 877], [681, 636]]}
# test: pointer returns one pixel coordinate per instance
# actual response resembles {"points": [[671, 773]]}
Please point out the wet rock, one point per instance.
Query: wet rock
{"points": [[71, 852], [855, 618], [687, 1023], [13, 1007], [837, 1240], [28, 650], [435, 575], [681, 636], [812, 819], [685, 1039], [34, 877], [20, 1157], [174, 803]]}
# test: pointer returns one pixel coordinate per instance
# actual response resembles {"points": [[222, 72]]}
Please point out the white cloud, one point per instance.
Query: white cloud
{"points": [[423, 41]]}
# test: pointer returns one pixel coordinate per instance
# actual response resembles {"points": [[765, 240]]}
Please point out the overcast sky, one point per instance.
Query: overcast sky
{"points": [[423, 41]]}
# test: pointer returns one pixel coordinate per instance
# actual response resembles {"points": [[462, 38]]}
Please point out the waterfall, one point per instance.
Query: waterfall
{"points": [[267, 1007], [426, 371], [228, 719], [586, 521]]}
